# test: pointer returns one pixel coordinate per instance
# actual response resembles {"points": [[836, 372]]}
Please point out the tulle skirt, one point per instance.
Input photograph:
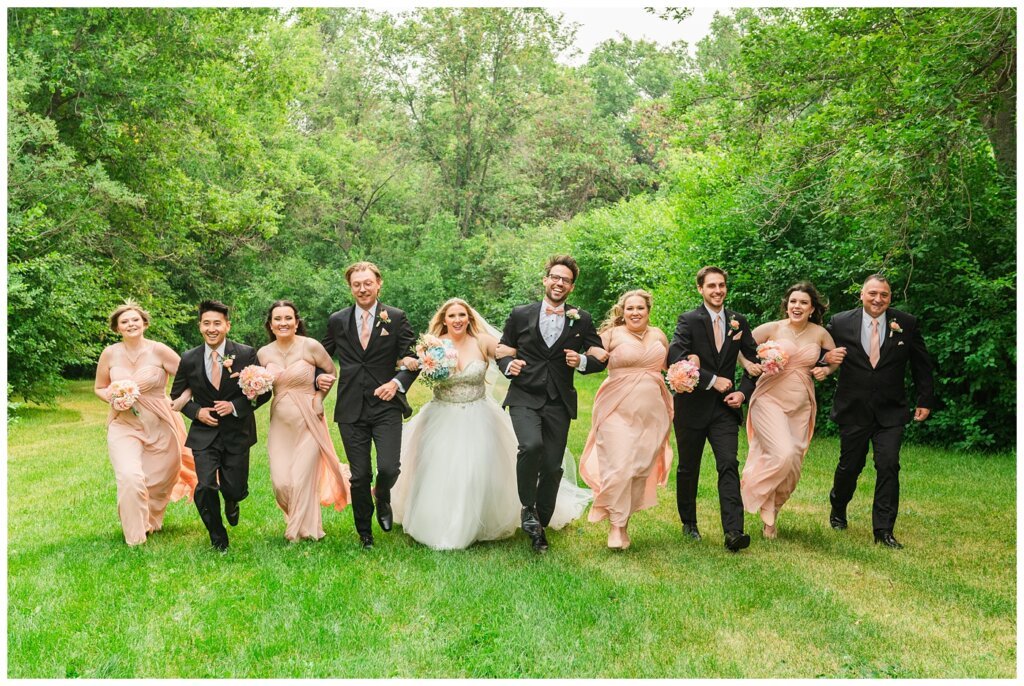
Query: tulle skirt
{"points": [[458, 477]]}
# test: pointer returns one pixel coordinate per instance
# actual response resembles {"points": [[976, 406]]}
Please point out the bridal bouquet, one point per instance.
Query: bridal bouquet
{"points": [[682, 376], [773, 358], [255, 381], [123, 395], [438, 358]]}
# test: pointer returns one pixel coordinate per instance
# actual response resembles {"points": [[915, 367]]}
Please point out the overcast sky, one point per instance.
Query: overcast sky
{"points": [[597, 24]]}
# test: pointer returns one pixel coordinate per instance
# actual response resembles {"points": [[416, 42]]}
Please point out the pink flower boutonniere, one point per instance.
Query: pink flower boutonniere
{"points": [[573, 316], [894, 327], [226, 362], [734, 325], [383, 317]]}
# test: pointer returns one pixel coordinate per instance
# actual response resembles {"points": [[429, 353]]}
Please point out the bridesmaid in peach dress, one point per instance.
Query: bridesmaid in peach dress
{"points": [[780, 421], [304, 467], [627, 454], [146, 443]]}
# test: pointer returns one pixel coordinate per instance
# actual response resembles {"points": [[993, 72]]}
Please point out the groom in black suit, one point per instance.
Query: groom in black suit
{"points": [[711, 412], [875, 343], [223, 427], [370, 339], [548, 337]]}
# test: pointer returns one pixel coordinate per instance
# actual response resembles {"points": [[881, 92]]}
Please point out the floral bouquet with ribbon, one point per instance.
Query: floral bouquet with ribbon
{"points": [[682, 376], [255, 380], [123, 395], [438, 358], [773, 358]]}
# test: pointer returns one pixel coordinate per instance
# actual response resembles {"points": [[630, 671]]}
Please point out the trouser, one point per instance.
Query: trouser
{"points": [[381, 427], [723, 435], [223, 471], [853, 451], [542, 435]]}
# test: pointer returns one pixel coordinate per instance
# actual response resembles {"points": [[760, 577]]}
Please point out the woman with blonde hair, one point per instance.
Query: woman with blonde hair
{"points": [[145, 437], [458, 479], [627, 454]]}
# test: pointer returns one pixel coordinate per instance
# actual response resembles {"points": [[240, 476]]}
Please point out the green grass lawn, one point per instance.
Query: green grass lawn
{"points": [[813, 603]]}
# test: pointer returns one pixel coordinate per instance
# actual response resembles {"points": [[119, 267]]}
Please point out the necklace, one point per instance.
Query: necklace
{"points": [[802, 331], [285, 353], [637, 335], [134, 360]]}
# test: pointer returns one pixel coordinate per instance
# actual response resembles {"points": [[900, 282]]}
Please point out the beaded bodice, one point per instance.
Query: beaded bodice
{"points": [[465, 386]]}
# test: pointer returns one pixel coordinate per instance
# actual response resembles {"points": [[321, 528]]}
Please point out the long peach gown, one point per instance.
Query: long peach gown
{"points": [[627, 454], [304, 467], [151, 464], [780, 424]]}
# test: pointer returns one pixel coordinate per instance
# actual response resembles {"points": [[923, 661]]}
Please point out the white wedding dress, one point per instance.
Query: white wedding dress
{"points": [[458, 478]]}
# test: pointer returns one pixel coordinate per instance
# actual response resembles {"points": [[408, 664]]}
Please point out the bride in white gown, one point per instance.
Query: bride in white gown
{"points": [[458, 477]]}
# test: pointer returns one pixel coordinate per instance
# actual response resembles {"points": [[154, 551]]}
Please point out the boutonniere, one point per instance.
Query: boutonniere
{"points": [[573, 316], [383, 317], [894, 327], [226, 362], [734, 325]]}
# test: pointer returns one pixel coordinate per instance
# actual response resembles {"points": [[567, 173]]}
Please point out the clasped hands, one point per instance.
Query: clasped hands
{"points": [[209, 415]]}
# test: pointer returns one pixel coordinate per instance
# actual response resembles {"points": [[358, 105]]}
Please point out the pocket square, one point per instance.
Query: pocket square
{"points": [[384, 332], [738, 336], [899, 344]]}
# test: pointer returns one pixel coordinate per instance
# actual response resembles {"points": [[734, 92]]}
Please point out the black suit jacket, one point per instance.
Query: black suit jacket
{"points": [[694, 335], [867, 394], [237, 433], [546, 371], [363, 371]]}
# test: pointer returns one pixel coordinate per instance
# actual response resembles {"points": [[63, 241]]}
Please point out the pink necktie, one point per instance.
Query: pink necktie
{"points": [[364, 334], [718, 335], [873, 353], [215, 369]]}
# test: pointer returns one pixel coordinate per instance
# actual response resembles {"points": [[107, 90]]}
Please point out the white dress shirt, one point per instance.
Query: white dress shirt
{"points": [[551, 327]]}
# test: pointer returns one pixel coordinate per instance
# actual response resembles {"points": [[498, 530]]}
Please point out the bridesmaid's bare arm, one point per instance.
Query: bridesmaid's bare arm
{"points": [[490, 346], [169, 359], [760, 334], [659, 335], [103, 375], [323, 361]]}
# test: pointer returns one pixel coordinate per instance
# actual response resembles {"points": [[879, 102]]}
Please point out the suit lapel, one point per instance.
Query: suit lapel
{"points": [[376, 327], [726, 337], [888, 344], [350, 329], [534, 314], [565, 329]]}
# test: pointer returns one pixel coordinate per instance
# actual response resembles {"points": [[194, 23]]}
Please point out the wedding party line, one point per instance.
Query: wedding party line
{"points": [[463, 469]]}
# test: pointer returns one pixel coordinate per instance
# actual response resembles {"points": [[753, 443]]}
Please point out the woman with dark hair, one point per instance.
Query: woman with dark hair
{"points": [[145, 438], [780, 421], [304, 467]]}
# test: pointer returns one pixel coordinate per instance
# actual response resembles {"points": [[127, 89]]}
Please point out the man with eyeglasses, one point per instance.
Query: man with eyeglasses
{"points": [[549, 338]]}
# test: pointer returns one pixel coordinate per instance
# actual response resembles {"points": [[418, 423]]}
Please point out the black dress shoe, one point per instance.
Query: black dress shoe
{"points": [[885, 537], [384, 516], [231, 511], [540, 542], [690, 531], [366, 540], [837, 519], [221, 546], [736, 541], [531, 522]]}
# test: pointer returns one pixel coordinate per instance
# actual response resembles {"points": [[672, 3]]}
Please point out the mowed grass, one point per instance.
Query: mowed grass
{"points": [[813, 603]]}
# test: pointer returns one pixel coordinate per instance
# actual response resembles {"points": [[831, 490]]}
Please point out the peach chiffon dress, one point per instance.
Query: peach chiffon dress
{"points": [[304, 467], [627, 454], [780, 424], [151, 464]]}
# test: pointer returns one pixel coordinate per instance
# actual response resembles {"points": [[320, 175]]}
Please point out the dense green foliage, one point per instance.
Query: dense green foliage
{"points": [[813, 603], [250, 154]]}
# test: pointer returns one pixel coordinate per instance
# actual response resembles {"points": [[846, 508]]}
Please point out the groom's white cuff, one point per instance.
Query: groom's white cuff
{"points": [[583, 364], [401, 388], [714, 378]]}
